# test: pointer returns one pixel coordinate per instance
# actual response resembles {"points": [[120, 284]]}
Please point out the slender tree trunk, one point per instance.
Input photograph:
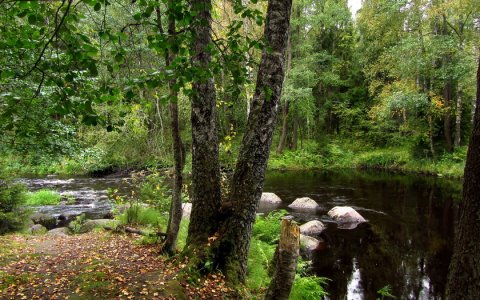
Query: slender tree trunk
{"points": [[283, 135], [238, 213], [295, 133], [175, 216], [447, 119], [458, 120], [464, 276], [206, 194]]}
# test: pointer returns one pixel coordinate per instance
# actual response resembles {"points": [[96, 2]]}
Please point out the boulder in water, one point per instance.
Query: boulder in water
{"points": [[270, 198], [346, 214], [45, 220], [304, 203], [314, 227], [61, 231], [186, 210], [37, 229], [308, 245], [98, 223]]}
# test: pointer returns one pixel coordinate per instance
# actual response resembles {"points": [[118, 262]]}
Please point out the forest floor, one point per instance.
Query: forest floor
{"points": [[97, 265]]}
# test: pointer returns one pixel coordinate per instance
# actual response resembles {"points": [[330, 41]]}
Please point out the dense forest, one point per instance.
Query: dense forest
{"points": [[196, 101]]}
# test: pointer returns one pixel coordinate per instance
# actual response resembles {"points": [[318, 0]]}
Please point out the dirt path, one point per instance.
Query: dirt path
{"points": [[93, 266]]}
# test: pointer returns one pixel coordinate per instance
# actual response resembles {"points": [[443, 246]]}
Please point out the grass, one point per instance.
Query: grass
{"points": [[42, 197], [143, 216]]}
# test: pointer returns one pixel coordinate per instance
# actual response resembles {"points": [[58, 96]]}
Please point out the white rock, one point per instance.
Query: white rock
{"points": [[186, 210], [304, 203], [314, 227], [346, 214], [270, 198]]}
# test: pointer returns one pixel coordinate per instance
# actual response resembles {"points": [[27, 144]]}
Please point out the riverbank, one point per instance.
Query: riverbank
{"points": [[336, 155]]}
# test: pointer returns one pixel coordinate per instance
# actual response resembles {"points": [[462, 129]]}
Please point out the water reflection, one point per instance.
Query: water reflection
{"points": [[406, 244]]}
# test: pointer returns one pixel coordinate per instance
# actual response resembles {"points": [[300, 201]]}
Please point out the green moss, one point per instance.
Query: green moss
{"points": [[42, 197]]}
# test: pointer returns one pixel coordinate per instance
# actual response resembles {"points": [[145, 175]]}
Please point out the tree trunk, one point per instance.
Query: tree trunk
{"points": [[283, 135], [206, 195], [295, 133], [238, 213], [175, 216], [447, 119], [464, 276], [286, 262], [458, 120]]}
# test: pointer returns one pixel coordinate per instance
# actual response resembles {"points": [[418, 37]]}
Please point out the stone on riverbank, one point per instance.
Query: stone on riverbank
{"points": [[37, 229], [47, 221], [89, 225], [61, 231]]}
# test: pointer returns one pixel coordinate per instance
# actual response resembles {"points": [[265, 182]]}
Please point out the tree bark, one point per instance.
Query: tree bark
{"points": [[206, 194], [464, 276], [238, 213], [283, 135], [286, 262], [447, 119], [458, 121], [175, 217]]}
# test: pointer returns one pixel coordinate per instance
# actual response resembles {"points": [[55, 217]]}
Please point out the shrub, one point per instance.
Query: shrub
{"points": [[12, 217], [43, 197]]}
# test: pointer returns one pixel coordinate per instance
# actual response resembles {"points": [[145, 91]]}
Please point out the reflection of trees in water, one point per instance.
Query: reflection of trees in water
{"points": [[409, 250]]}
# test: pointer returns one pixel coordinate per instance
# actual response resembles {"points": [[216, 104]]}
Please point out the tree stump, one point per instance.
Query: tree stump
{"points": [[285, 261]]}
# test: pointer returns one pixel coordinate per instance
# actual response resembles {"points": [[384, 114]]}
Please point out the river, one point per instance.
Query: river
{"points": [[406, 244]]}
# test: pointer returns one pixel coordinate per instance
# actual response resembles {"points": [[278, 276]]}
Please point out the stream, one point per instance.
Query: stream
{"points": [[406, 244]]}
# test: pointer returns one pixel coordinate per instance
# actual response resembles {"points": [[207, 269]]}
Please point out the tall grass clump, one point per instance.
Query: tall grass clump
{"points": [[137, 214], [42, 197]]}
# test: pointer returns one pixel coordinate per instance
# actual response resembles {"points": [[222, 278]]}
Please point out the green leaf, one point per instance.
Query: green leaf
{"points": [[97, 6], [32, 19]]}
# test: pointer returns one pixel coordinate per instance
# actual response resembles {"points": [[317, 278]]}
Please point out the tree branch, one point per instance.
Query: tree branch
{"points": [[55, 32]]}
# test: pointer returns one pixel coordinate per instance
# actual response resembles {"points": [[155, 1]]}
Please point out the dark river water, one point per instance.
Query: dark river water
{"points": [[406, 244]]}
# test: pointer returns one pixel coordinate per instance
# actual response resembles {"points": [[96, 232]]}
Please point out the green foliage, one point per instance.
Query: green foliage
{"points": [[42, 197], [266, 232], [140, 215], [385, 292], [12, 216], [267, 229], [76, 224], [259, 262], [308, 288]]}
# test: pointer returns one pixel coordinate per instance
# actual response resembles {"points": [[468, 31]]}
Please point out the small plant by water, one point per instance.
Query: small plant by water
{"points": [[42, 197]]}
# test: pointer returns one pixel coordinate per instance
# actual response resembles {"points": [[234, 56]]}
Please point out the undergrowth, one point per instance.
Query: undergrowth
{"points": [[42, 197]]}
